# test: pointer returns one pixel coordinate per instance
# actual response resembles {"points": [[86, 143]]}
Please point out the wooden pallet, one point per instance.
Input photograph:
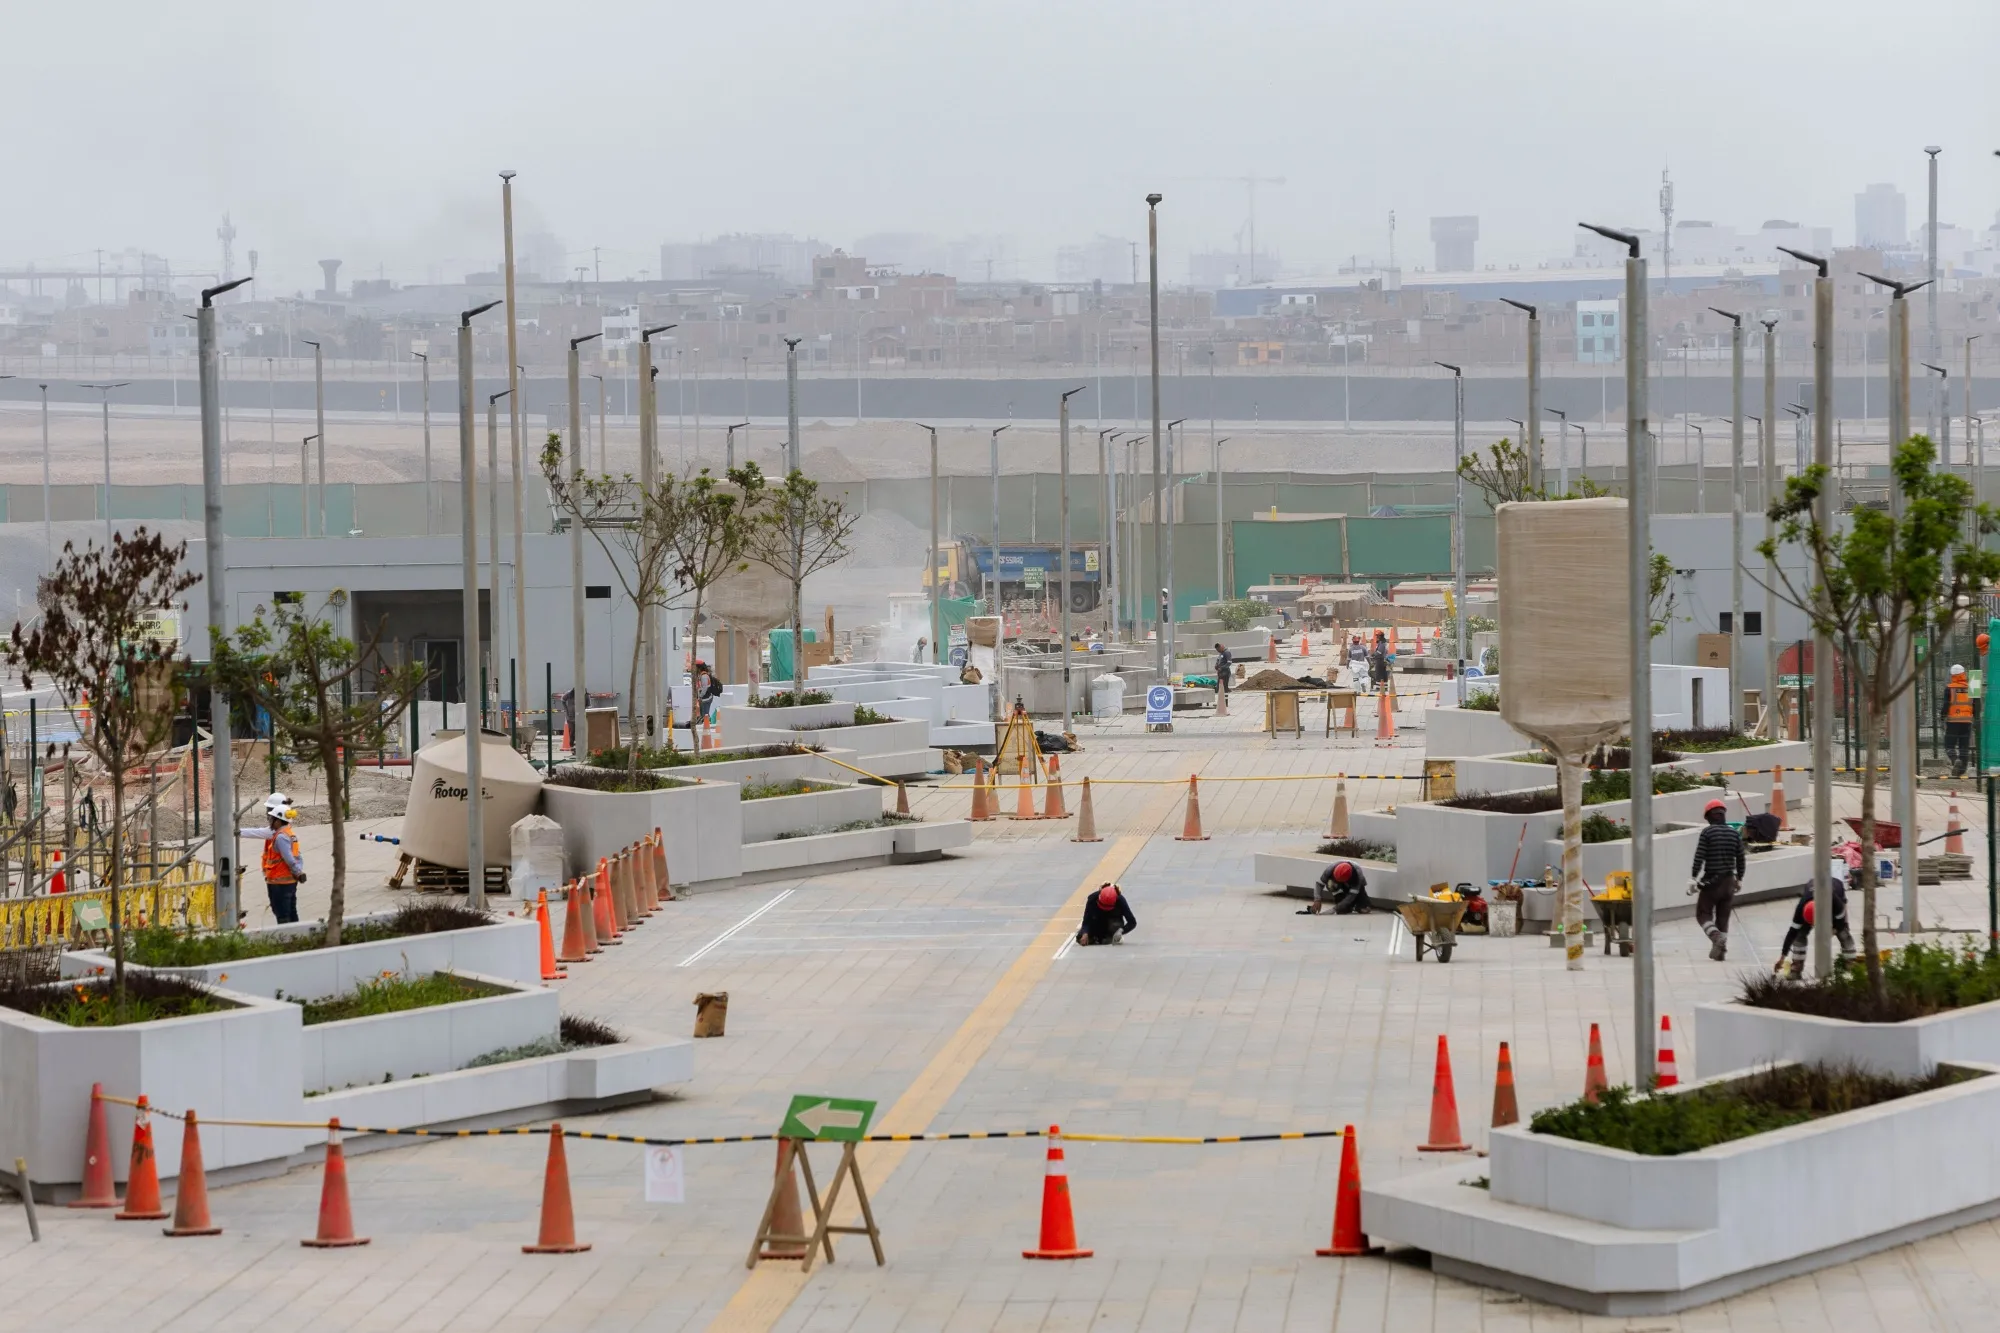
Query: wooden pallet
{"points": [[429, 877]]}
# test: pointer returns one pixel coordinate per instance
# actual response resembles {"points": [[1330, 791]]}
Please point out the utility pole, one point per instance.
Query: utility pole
{"points": [[493, 594], [319, 426], [579, 692], [514, 441], [470, 679], [428, 507], [1769, 494], [649, 477], [1162, 650], [1532, 428], [936, 579], [993, 536], [1173, 511], [1223, 592], [1935, 348], [223, 773], [48, 533], [1067, 576], [792, 407], [1638, 570], [1736, 518], [1824, 673], [1458, 515], [1110, 549]]}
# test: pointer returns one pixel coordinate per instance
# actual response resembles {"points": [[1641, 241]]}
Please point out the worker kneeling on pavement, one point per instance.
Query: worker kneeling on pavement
{"points": [[284, 869], [1715, 875], [1107, 917], [1792, 963], [1341, 885]]}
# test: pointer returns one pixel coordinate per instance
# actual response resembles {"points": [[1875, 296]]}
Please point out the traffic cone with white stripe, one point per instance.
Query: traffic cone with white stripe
{"points": [[1666, 1074], [1778, 802], [336, 1213], [1058, 1223], [1052, 805], [1954, 832], [1594, 1080]]}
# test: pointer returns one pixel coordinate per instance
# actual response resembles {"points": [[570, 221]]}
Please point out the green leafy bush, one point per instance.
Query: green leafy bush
{"points": [[1482, 701], [659, 756], [91, 1004], [592, 779], [864, 716], [1917, 979], [394, 994], [1616, 784], [786, 699], [1360, 848], [1707, 740], [764, 791], [1668, 1124], [1236, 614], [164, 946], [1601, 828]]}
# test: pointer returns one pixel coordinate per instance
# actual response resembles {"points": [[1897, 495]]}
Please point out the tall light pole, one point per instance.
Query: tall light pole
{"points": [[1768, 493], [48, 531], [1062, 410], [319, 426], [792, 450], [514, 414], [305, 484], [1824, 673], [603, 427], [222, 773], [729, 444], [1458, 515], [425, 358], [493, 585], [936, 580], [1638, 569], [649, 476], [107, 388], [1903, 720], [1533, 429], [993, 545], [1162, 650], [1173, 509], [1973, 462], [1108, 559], [1939, 391], [469, 667], [1736, 518], [578, 591], [1935, 348], [1562, 449], [1223, 592]]}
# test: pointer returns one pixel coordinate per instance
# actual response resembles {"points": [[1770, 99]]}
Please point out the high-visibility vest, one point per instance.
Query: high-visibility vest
{"points": [[274, 867], [1959, 707]]}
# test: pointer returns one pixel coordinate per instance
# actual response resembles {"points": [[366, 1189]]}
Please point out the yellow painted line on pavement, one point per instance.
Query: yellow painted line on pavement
{"points": [[769, 1290]]}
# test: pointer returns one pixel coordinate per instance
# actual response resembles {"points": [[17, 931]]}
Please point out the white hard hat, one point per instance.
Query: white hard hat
{"points": [[1957, 670], [279, 806]]}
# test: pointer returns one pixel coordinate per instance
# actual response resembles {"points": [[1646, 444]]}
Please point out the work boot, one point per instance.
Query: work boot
{"points": [[1718, 945], [1118, 937]]}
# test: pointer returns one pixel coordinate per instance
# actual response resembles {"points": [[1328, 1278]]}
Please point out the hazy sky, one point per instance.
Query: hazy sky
{"points": [[373, 130]]}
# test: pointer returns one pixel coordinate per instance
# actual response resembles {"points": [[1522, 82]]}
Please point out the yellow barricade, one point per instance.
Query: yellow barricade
{"points": [[183, 898]]}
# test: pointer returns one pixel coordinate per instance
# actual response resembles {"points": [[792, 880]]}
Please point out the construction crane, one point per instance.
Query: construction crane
{"points": [[1249, 184]]}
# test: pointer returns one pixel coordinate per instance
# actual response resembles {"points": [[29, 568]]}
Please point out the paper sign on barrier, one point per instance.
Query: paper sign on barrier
{"points": [[666, 1176]]}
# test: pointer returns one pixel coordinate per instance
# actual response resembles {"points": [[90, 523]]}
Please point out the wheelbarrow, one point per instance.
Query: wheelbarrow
{"points": [[1888, 835], [1433, 923], [1616, 914]]}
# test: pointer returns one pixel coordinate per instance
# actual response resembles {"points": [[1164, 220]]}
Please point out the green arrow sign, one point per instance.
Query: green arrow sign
{"points": [[837, 1118]]}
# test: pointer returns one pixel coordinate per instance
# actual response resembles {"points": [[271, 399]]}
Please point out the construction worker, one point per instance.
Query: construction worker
{"points": [[1107, 917], [284, 868], [1715, 875], [1224, 664], [1958, 721], [1792, 961], [1357, 662], [1342, 887], [923, 643]]}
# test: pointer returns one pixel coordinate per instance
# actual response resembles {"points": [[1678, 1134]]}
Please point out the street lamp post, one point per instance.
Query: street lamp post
{"points": [[1969, 458], [514, 415], [223, 774], [1223, 592], [993, 544], [499, 603], [1941, 393], [1768, 493], [649, 470], [1458, 516], [469, 665], [1562, 449], [1638, 570], [1173, 508], [578, 591], [1162, 662], [1062, 409], [1935, 348], [48, 531], [305, 484], [423, 357], [107, 388], [1736, 516], [1109, 558], [936, 578], [603, 428], [1903, 720], [729, 444], [1532, 431], [319, 427]]}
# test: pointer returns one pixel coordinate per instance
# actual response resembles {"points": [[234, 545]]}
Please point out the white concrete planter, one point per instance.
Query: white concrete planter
{"points": [[509, 948], [819, 851], [702, 824], [1451, 732], [437, 1040], [1767, 876], [1619, 1233], [774, 815], [886, 749], [928, 841], [772, 768], [741, 725], [1730, 1037], [1297, 869], [240, 1064], [1441, 843]]}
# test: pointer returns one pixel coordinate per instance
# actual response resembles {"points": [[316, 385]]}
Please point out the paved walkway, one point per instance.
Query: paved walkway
{"points": [[944, 991]]}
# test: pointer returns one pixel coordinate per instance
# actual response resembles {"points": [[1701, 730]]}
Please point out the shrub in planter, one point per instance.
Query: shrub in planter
{"points": [[394, 994], [659, 756], [789, 699], [608, 780], [92, 1003], [1360, 848], [1667, 1125], [764, 791], [1482, 701], [1706, 740], [1602, 828], [1917, 979], [163, 946]]}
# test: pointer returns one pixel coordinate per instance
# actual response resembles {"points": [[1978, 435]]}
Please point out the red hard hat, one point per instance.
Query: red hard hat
{"points": [[1809, 911], [1982, 641], [1713, 806], [1107, 897], [1344, 871]]}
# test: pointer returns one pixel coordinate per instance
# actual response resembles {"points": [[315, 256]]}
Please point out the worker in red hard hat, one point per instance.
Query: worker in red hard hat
{"points": [[1715, 875], [1341, 886], [1107, 917], [1792, 961]]}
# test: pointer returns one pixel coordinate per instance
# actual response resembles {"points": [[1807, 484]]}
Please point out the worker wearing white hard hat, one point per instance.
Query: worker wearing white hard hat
{"points": [[284, 868], [1958, 719]]}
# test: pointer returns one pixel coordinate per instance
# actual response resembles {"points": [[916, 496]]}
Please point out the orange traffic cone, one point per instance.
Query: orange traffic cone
{"points": [[1350, 722], [1506, 1111], [980, 814], [1052, 805], [1337, 826], [1594, 1081], [623, 898], [590, 941], [550, 972], [191, 1190], [600, 897], [142, 1182], [1666, 1073], [575, 946], [58, 882], [336, 1216], [1024, 804], [1086, 818], [1191, 826], [1385, 717], [99, 1189], [558, 1233], [902, 800], [1444, 1107], [1271, 649], [1348, 1238], [1305, 646], [1954, 832], [1058, 1224], [1778, 803], [786, 1219], [642, 867], [663, 878]]}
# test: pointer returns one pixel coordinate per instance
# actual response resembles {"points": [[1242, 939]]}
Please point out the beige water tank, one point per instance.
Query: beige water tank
{"points": [[1565, 646], [434, 823]]}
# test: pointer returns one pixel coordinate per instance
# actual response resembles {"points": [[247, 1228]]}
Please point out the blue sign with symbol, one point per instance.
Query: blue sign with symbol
{"points": [[958, 656], [1159, 705]]}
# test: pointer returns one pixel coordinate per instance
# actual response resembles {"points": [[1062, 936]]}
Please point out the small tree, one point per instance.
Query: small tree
{"points": [[715, 529], [306, 675], [1501, 474], [800, 533], [98, 643], [639, 528], [1876, 586]]}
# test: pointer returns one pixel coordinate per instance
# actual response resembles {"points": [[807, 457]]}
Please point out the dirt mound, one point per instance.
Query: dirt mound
{"points": [[883, 539], [1270, 678], [830, 465]]}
